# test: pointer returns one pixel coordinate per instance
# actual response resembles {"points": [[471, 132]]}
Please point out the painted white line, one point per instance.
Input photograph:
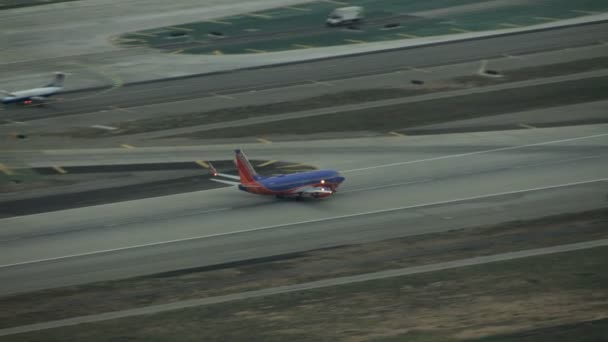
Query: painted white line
{"points": [[15, 122], [556, 162], [227, 97], [160, 243], [512, 56], [420, 70], [385, 186], [325, 83], [107, 128], [510, 148]]}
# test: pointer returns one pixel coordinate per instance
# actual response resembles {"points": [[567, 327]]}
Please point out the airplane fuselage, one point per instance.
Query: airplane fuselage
{"points": [[35, 94], [319, 183]]}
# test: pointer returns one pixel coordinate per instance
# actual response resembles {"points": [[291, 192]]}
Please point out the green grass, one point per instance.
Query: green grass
{"points": [[401, 117], [8, 4], [304, 24]]}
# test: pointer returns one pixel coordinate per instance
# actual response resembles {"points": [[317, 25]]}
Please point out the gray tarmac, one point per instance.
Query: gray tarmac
{"points": [[394, 187]]}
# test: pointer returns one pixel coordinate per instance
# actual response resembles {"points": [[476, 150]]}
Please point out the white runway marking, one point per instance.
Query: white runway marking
{"points": [[385, 186], [556, 186], [510, 148], [107, 128]]}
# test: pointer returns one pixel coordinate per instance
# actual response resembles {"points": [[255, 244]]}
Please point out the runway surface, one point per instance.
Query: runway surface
{"points": [[278, 76], [394, 187]]}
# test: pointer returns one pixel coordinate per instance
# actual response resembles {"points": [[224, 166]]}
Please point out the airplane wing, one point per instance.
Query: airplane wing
{"points": [[214, 173], [40, 99], [316, 191]]}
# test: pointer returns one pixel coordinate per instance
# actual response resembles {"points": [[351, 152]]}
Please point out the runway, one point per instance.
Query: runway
{"points": [[322, 70], [394, 187]]}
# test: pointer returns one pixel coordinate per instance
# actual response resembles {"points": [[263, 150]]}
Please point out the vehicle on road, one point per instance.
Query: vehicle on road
{"points": [[310, 184], [35, 95], [345, 16]]}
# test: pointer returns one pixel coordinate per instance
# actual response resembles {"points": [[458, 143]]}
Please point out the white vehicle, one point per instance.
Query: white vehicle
{"points": [[38, 95], [345, 16]]}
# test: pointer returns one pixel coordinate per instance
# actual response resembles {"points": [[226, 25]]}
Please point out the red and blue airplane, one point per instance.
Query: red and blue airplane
{"points": [[310, 184]]}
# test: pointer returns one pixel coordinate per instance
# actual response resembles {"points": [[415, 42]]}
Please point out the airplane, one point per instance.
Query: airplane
{"points": [[35, 95], [309, 184]]}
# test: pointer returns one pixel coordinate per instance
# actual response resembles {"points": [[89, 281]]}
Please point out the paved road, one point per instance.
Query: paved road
{"points": [[394, 187], [304, 286]]}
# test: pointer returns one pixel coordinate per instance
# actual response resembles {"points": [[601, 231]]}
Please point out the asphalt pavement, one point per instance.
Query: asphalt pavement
{"points": [[394, 187]]}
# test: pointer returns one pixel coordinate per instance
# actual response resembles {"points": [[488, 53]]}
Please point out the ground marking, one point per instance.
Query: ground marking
{"points": [[509, 25], [301, 9], [121, 109], [258, 15], [15, 122], [140, 34], [510, 148], [264, 141], [512, 56], [302, 46], [180, 28], [202, 163], [6, 170], [419, 70], [107, 128], [397, 134], [267, 163], [385, 186], [227, 97], [547, 18], [290, 166], [335, 2], [127, 146], [407, 35], [177, 51], [585, 12], [459, 30], [59, 169], [283, 225], [356, 41], [218, 22], [523, 125], [325, 83], [482, 67], [256, 50]]}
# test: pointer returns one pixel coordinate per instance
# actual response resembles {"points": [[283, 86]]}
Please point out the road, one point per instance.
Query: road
{"points": [[394, 187]]}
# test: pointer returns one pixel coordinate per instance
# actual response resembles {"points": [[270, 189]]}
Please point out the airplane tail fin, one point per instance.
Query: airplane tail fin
{"points": [[58, 80], [246, 171]]}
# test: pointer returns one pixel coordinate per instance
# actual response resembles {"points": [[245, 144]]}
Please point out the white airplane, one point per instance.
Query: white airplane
{"points": [[36, 95]]}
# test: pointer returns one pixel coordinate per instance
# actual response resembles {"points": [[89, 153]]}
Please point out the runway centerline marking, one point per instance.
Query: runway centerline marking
{"points": [[509, 148], [282, 225]]}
